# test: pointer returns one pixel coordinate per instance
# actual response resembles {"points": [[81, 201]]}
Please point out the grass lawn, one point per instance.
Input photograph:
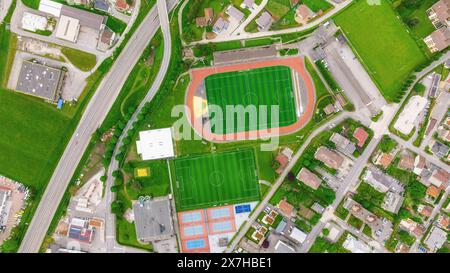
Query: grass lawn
{"points": [[417, 19], [257, 87], [203, 181], [380, 39], [32, 137], [156, 184], [82, 60], [316, 5]]}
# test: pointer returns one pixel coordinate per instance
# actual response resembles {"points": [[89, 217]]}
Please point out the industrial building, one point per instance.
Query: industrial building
{"points": [[40, 80]]}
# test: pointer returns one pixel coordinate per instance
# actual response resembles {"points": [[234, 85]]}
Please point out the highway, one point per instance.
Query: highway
{"points": [[93, 116], [110, 219]]}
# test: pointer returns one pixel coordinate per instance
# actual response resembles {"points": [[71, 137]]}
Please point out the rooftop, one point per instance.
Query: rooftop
{"points": [[40, 80], [155, 144], [153, 219], [309, 178], [329, 157]]}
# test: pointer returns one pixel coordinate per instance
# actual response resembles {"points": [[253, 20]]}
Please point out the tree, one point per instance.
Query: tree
{"points": [[291, 176]]}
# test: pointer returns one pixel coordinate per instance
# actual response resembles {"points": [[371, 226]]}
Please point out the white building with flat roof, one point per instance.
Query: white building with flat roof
{"points": [[407, 118], [155, 144], [68, 28], [50, 7], [33, 22]]}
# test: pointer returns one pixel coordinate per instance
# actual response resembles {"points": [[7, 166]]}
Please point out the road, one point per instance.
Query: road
{"points": [[110, 219], [350, 180], [281, 178], [246, 35], [93, 116]]}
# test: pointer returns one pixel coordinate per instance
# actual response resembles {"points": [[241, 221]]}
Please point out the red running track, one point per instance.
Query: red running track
{"points": [[199, 75]]}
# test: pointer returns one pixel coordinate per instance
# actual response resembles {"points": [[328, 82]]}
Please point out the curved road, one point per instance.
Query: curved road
{"points": [[94, 114], [111, 243]]}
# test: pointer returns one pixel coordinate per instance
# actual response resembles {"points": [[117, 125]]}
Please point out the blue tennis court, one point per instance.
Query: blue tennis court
{"points": [[193, 230], [221, 227], [242, 208], [197, 243], [219, 213], [192, 217]]}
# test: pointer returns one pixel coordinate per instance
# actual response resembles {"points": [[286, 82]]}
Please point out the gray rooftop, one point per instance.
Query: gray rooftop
{"points": [[153, 219], [40, 80], [245, 54], [343, 144], [440, 149], [235, 13], [436, 238], [381, 181], [264, 21], [87, 19]]}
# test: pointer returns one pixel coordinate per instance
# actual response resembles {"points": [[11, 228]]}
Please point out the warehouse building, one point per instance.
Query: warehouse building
{"points": [[40, 80]]}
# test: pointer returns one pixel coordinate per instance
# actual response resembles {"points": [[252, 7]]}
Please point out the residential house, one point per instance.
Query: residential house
{"points": [[303, 14], [329, 158], [433, 191], [439, 178], [439, 149], [412, 227], [286, 208], [438, 40], [121, 5], [201, 21], [309, 178], [220, 25], [406, 162], [209, 15], [439, 13], [373, 221], [264, 21], [361, 135], [419, 164], [234, 13], [249, 4], [443, 221], [435, 239], [329, 109], [343, 144], [283, 159], [384, 160], [356, 246], [381, 181], [425, 210]]}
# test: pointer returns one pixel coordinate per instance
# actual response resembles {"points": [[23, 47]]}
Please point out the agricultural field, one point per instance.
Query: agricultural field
{"points": [[258, 87], [381, 41], [215, 179]]}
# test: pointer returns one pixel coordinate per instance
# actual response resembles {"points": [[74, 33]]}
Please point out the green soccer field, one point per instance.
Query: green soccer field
{"points": [[208, 180], [386, 49], [266, 86]]}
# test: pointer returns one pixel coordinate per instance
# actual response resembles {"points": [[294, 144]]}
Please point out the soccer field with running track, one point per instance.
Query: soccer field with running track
{"points": [[266, 86]]}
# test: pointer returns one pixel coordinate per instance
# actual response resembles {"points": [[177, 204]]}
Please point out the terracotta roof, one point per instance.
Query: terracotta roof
{"points": [[444, 221], [329, 109], [406, 162], [201, 21], [329, 158], [283, 160], [304, 12], [285, 208], [425, 210], [361, 136], [441, 8], [209, 14], [433, 191], [309, 178], [122, 5], [384, 160]]}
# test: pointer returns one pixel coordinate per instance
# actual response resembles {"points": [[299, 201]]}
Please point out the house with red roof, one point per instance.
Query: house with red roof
{"points": [[361, 135]]}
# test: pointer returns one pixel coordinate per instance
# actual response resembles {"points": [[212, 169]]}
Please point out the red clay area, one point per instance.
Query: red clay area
{"points": [[199, 75]]}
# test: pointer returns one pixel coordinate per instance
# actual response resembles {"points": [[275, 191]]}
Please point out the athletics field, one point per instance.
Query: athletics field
{"points": [[208, 180], [267, 86]]}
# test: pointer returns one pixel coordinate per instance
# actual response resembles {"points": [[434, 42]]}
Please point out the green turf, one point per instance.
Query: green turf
{"points": [[259, 87], [208, 180], [32, 137], [387, 50]]}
